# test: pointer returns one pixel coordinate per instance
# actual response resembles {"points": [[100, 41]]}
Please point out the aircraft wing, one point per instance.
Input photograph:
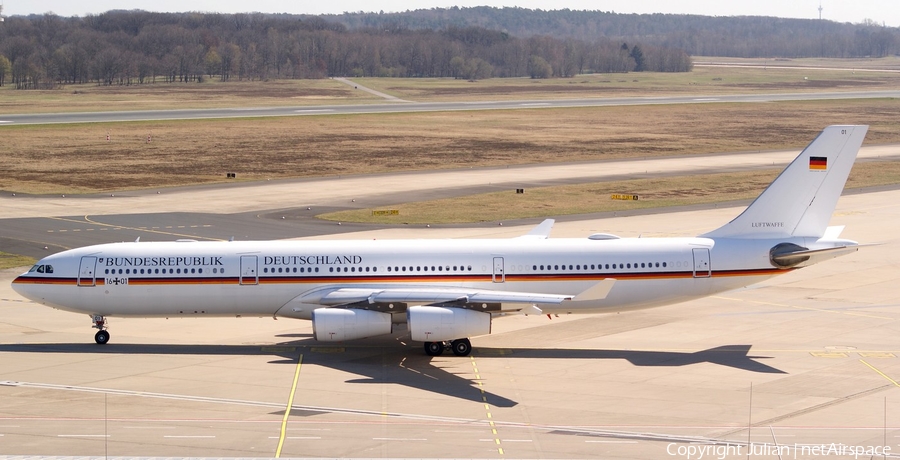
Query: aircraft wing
{"points": [[349, 296]]}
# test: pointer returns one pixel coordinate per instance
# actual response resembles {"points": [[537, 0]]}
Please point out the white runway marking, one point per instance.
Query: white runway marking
{"points": [[399, 439], [313, 110], [616, 442], [82, 436], [189, 437]]}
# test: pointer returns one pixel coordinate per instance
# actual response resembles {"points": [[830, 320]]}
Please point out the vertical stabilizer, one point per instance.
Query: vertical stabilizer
{"points": [[801, 200]]}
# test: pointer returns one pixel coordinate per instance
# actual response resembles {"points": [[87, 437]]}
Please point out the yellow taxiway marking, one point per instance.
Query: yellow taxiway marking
{"points": [[290, 404], [880, 373], [877, 354], [829, 354], [120, 227], [487, 407]]}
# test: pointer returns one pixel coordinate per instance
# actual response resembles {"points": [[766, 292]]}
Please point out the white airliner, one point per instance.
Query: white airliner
{"points": [[448, 290]]}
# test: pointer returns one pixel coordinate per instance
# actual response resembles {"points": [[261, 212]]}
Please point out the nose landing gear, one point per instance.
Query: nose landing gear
{"points": [[102, 336]]}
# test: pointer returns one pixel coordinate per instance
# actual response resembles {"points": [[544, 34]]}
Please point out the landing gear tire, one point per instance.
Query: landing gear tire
{"points": [[461, 347], [101, 337], [434, 348]]}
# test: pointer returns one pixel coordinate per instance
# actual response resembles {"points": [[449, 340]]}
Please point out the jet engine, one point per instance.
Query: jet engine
{"points": [[437, 324], [339, 324]]}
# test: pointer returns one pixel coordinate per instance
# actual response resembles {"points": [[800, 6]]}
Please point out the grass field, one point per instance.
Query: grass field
{"points": [[78, 159], [596, 197], [168, 96], [14, 260], [820, 75], [701, 81]]}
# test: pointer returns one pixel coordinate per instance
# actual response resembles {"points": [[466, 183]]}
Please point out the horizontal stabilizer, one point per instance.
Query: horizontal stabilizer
{"points": [[802, 257], [541, 232]]}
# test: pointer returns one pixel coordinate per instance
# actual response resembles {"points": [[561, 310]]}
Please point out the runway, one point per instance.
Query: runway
{"points": [[412, 107]]}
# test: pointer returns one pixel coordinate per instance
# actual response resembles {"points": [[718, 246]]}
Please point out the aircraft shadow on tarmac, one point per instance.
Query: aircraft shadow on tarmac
{"points": [[410, 367]]}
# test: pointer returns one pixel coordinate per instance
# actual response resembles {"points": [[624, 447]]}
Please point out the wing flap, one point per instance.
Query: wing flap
{"points": [[336, 296]]}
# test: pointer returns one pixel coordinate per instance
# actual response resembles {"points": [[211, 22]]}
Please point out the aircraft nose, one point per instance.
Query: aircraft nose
{"points": [[21, 285]]}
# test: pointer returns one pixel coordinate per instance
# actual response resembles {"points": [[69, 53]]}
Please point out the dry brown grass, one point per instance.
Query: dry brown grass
{"points": [[14, 260], [78, 159], [595, 197], [167, 96], [838, 76]]}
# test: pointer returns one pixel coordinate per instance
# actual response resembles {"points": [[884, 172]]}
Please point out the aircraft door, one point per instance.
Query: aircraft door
{"points": [[249, 271], [702, 268], [86, 271], [499, 275]]}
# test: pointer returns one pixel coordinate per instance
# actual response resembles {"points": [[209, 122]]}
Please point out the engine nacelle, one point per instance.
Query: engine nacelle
{"points": [[437, 324], [339, 324]]}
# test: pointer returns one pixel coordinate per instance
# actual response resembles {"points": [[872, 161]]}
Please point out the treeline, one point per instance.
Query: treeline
{"points": [[736, 36], [740, 36], [137, 47]]}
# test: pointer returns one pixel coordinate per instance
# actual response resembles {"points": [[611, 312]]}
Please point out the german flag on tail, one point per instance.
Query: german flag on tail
{"points": [[818, 163]]}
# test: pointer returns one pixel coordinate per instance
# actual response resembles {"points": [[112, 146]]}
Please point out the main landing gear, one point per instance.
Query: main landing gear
{"points": [[101, 337], [460, 347]]}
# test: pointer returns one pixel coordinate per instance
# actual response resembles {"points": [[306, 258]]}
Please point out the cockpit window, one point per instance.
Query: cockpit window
{"points": [[41, 269]]}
